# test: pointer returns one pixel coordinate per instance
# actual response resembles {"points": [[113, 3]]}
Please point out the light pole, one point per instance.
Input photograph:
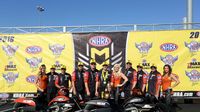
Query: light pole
{"points": [[189, 14], [40, 9]]}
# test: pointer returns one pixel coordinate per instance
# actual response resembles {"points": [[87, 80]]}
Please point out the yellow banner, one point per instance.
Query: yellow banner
{"points": [[180, 49], [22, 54]]}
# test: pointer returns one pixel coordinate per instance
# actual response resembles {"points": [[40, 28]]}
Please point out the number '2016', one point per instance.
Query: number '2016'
{"points": [[194, 34]]}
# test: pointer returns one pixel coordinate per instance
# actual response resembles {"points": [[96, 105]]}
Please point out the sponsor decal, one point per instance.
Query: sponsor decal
{"points": [[10, 50], [34, 62], [6, 38], [198, 93], [194, 75], [58, 66], [185, 94], [31, 78], [102, 47], [10, 77], [18, 95], [169, 59], [4, 95], [56, 49], [99, 41], [10, 67], [193, 46], [143, 47], [193, 64], [168, 47], [33, 49], [145, 64]]}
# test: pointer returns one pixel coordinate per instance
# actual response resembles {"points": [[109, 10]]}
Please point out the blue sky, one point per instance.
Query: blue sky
{"points": [[94, 12]]}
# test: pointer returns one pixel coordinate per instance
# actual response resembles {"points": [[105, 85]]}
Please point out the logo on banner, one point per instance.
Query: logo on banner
{"points": [[31, 78], [193, 46], [10, 77], [10, 67], [99, 41], [143, 47], [33, 49], [10, 50], [57, 49], [6, 38], [145, 64], [193, 64], [4, 95], [194, 75], [58, 65], [34, 62], [169, 59], [168, 47], [198, 93], [101, 48]]}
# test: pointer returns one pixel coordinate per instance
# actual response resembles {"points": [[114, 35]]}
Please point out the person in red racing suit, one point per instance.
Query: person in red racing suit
{"points": [[63, 80], [154, 82], [90, 79], [78, 85], [131, 74], [141, 79]]}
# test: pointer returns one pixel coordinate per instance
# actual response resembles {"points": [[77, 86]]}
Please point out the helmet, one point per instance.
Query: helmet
{"points": [[63, 67], [62, 92], [92, 61], [80, 64]]}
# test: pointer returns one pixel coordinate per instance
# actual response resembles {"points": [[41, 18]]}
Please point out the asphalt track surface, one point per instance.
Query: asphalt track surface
{"points": [[185, 107]]}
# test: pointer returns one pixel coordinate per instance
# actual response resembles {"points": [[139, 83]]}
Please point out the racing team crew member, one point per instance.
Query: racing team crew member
{"points": [[103, 79], [78, 82], [154, 82], [51, 88], [41, 85], [131, 74], [90, 79], [141, 80], [63, 80], [116, 78]]}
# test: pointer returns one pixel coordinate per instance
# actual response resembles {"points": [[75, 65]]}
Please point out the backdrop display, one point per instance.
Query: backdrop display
{"points": [[22, 54], [180, 49]]}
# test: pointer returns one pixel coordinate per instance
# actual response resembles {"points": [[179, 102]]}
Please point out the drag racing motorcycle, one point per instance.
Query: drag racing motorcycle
{"points": [[61, 103], [135, 104], [24, 105]]}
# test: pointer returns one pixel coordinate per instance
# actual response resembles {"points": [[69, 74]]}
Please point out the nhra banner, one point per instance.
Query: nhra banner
{"points": [[109, 47], [22, 54], [180, 49]]}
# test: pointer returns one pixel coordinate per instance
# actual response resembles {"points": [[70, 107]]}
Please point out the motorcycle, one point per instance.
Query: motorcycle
{"points": [[61, 103], [24, 105]]}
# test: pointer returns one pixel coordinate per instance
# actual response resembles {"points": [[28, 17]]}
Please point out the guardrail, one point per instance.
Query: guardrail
{"points": [[99, 28]]}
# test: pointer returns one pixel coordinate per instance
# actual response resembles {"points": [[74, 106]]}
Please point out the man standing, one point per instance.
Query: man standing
{"points": [[103, 81], [141, 79], [63, 80], [90, 79], [154, 82], [78, 82], [131, 74], [51, 88]]}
